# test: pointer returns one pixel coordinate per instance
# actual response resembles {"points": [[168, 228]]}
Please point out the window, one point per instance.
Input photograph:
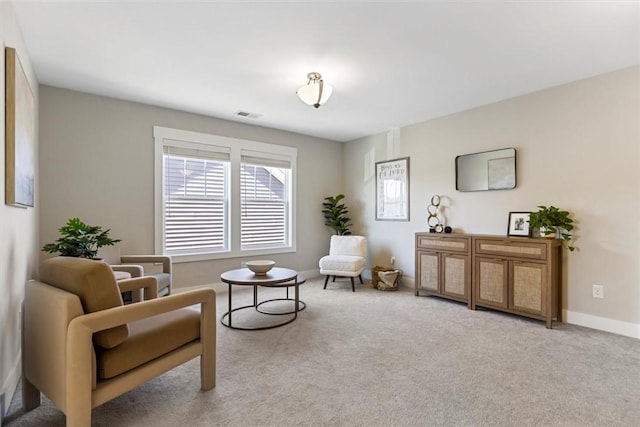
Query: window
{"points": [[195, 201], [264, 199], [219, 197]]}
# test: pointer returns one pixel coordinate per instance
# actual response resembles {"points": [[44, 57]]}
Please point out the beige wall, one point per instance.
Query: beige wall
{"points": [[99, 167], [18, 228], [578, 149]]}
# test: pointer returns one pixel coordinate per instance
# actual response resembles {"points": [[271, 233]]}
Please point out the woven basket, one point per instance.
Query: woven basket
{"points": [[375, 278]]}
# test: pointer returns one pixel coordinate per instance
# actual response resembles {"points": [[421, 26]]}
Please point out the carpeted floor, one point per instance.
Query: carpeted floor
{"points": [[373, 358]]}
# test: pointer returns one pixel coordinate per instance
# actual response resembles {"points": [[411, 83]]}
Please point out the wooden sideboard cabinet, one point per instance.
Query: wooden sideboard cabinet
{"points": [[518, 275], [443, 266]]}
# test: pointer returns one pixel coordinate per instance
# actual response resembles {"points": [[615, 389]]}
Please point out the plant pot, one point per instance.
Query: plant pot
{"points": [[542, 233]]}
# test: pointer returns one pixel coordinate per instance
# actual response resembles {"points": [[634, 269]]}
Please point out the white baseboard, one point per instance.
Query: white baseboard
{"points": [[627, 329], [618, 327], [10, 386]]}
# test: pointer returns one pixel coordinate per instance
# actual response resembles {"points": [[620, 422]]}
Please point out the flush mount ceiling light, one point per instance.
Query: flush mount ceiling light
{"points": [[315, 92]]}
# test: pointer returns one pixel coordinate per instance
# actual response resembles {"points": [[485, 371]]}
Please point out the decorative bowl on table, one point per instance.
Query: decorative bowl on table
{"points": [[260, 267]]}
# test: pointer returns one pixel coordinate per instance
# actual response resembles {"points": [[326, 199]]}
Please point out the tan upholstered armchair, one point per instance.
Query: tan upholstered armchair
{"points": [[158, 266], [82, 347]]}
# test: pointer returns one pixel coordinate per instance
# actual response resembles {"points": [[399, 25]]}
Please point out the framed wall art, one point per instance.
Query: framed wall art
{"points": [[392, 190], [519, 224], [19, 134]]}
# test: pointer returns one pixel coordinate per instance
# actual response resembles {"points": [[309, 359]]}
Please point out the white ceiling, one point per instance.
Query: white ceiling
{"points": [[391, 63]]}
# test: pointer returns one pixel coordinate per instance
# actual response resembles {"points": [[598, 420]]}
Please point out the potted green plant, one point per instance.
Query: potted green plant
{"points": [[553, 222], [78, 239], [335, 215]]}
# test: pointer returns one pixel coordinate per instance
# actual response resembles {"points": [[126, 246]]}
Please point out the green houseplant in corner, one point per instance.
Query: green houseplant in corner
{"points": [[553, 222], [335, 215], [78, 239]]}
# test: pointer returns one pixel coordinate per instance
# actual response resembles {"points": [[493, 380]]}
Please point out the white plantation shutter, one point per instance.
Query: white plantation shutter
{"points": [[265, 200], [195, 200], [218, 197]]}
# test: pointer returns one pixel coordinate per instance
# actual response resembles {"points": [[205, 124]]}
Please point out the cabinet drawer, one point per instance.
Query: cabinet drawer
{"points": [[531, 250], [449, 244]]}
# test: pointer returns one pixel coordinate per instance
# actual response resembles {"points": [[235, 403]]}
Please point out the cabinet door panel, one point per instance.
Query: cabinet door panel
{"points": [[529, 287], [456, 275], [491, 282], [429, 271]]}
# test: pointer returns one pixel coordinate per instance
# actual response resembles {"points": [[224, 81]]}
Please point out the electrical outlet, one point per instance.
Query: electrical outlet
{"points": [[598, 291]]}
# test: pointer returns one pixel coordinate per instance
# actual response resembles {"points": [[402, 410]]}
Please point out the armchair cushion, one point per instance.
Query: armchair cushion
{"points": [[157, 335], [95, 287], [342, 264], [348, 245], [164, 282]]}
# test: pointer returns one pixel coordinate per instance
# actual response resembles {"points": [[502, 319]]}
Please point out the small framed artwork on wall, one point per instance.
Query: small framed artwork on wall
{"points": [[519, 224]]}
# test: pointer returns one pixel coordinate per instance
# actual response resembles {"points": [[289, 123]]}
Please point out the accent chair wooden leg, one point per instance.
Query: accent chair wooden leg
{"points": [[353, 286], [361, 282], [326, 279], [208, 342], [334, 279], [30, 395]]}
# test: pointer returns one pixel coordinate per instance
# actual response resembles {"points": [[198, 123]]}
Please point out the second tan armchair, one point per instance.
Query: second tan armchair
{"points": [[158, 266]]}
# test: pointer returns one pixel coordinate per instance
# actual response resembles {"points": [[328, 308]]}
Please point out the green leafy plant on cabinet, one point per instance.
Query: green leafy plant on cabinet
{"points": [[554, 222]]}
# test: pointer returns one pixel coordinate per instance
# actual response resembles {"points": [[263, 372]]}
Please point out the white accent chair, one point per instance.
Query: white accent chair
{"points": [[347, 258]]}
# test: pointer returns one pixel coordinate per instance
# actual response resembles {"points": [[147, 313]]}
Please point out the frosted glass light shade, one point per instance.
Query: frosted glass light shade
{"points": [[315, 92]]}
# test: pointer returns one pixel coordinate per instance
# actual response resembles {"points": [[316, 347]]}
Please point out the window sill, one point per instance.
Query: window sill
{"points": [[231, 254]]}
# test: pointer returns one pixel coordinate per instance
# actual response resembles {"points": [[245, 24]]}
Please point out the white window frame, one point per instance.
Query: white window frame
{"points": [[168, 136]]}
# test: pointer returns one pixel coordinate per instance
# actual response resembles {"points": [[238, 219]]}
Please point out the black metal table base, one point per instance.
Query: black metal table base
{"points": [[301, 306], [298, 306], [224, 319]]}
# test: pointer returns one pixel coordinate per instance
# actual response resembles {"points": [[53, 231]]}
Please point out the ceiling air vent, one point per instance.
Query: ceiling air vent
{"points": [[248, 114]]}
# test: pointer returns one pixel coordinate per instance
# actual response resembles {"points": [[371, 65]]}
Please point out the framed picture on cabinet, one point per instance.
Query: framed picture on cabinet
{"points": [[519, 224], [392, 190]]}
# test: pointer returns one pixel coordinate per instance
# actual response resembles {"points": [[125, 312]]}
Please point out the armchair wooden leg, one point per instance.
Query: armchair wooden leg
{"points": [[353, 286], [361, 282], [326, 279], [208, 340], [30, 395]]}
